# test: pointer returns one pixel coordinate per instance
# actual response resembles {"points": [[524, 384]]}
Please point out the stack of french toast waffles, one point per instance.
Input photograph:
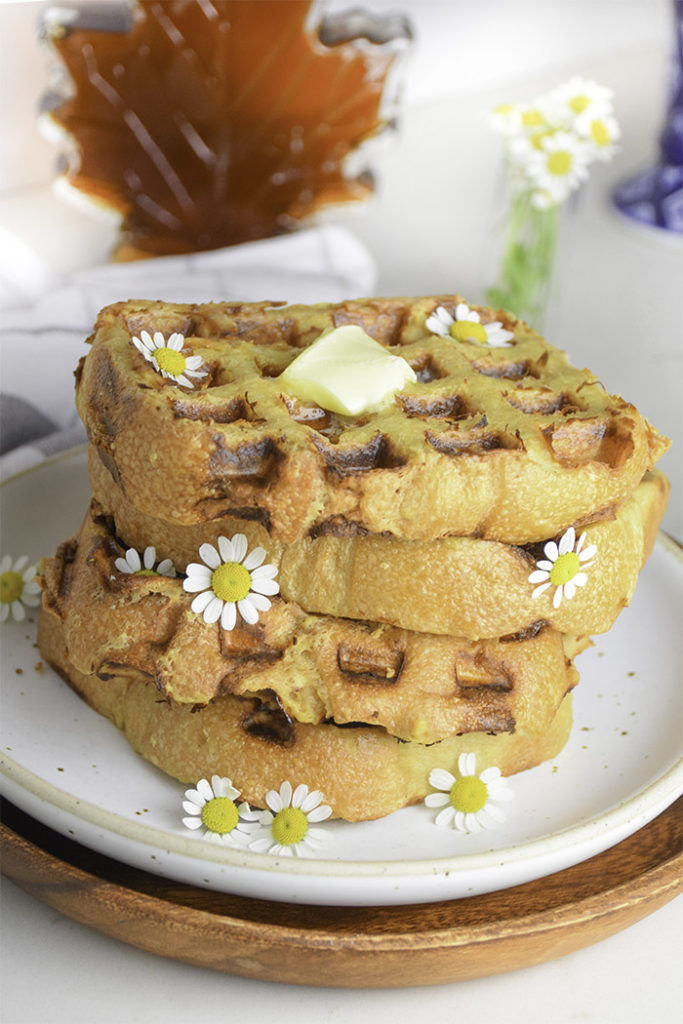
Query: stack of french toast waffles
{"points": [[440, 561]]}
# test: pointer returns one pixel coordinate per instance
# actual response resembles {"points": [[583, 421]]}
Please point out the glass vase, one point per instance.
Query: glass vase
{"points": [[527, 261]]}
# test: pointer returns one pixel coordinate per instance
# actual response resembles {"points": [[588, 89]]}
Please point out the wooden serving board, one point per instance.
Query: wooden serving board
{"points": [[353, 947]]}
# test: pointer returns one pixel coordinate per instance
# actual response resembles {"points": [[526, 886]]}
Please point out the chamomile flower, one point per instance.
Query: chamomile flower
{"points": [[466, 325], [288, 821], [601, 131], [168, 358], [563, 566], [507, 118], [559, 166], [133, 565], [576, 97], [469, 801], [18, 588], [231, 580], [211, 808]]}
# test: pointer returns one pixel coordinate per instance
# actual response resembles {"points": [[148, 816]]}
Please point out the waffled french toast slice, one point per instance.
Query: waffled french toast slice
{"points": [[308, 668], [458, 586], [503, 443]]}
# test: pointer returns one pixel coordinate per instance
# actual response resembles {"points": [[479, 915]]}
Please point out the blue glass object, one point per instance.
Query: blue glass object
{"points": [[655, 196]]}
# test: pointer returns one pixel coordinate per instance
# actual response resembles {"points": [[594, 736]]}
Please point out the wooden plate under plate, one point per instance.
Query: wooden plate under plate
{"points": [[353, 947]]}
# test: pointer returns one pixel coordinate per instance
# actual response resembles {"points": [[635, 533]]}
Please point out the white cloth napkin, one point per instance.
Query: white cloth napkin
{"points": [[42, 344]]}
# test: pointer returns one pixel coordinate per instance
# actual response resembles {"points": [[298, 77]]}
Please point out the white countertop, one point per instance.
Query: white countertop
{"points": [[616, 307]]}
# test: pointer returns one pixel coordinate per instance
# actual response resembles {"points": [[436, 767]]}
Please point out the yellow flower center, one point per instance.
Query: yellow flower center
{"points": [[579, 103], [600, 133], [11, 587], [170, 361], [220, 815], [532, 118], [469, 794], [145, 572], [468, 330], [289, 826], [230, 582], [560, 162], [565, 569]]}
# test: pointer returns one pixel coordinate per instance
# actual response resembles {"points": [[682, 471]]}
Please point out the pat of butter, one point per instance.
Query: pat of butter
{"points": [[346, 371]]}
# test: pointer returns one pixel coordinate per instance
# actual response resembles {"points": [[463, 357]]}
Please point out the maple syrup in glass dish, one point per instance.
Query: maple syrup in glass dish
{"points": [[205, 124]]}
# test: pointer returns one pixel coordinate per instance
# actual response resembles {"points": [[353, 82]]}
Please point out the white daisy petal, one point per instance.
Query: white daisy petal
{"points": [[551, 551], [286, 793], [320, 813], [445, 817], [539, 590], [226, 550], [557, 597], [255, 559], [191, 808], [259, 602], [229, 616], [212, 612], [490, 775], [262, 571], [567, 541], [587, 553], [299, 795], [239, 546], [248, 611], [133, 559], [204, 790], [538, 576], [441, 779], [274, 801], [18, 611], [5, 564], [192, 823], [570, 589], [265, 586], [195, 582], [436, 799], [202, 601], [4, 611], [192, 364], [459, 821], [467, 764], [176, 342], [208, 554]]}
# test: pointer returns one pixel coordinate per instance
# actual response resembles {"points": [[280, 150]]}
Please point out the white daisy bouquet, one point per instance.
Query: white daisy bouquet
{"points": [[549, 147]]}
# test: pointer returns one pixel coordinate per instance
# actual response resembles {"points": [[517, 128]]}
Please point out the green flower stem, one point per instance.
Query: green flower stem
{"points": [[527, 263]]}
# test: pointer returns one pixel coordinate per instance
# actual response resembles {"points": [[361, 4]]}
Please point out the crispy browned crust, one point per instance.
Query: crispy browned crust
{"points": [[362, 771], [299, 667], [458, 586], [510, 444]]}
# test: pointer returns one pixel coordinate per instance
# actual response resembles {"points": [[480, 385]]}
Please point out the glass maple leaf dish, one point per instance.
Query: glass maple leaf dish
{"points": [[204, 124]]}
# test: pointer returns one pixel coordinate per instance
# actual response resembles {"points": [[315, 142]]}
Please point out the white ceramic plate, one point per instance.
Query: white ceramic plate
{"points": [[72, 770]]}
